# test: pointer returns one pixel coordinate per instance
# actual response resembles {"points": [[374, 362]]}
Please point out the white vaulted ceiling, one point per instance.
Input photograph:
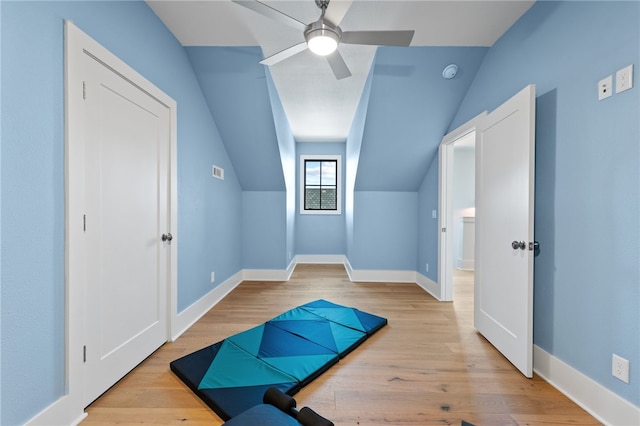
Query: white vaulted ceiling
{"points": [[319, 107]]}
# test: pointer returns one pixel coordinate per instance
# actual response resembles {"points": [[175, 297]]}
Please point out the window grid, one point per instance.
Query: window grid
{"points": [[321, 193]]}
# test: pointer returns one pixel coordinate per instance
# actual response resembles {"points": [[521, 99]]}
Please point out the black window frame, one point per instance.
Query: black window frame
{"points": [[321, 186]]}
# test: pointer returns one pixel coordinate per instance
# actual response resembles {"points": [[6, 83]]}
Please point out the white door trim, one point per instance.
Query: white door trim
{"points": [[69, 409], [445, 206]]}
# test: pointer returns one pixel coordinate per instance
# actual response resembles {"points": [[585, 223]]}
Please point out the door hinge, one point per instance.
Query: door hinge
{"points": [[84, 353], [84, 222], [84, 90], [444, 229]]}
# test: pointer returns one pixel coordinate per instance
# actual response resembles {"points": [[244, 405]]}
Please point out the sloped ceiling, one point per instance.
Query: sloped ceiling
{"points": [[235, 89], [410, 107]]}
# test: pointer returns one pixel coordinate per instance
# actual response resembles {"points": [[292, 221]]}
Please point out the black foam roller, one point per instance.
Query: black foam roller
{"points": [[308, 417], [280, 400]]}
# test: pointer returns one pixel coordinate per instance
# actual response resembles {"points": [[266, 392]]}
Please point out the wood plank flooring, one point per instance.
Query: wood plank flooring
{"points": [[428, 366]]}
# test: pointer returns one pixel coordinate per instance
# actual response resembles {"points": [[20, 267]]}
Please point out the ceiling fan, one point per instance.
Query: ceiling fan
{"points": [[323, 36]]}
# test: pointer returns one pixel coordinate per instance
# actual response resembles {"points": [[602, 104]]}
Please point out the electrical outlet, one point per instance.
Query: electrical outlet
{"points": [[620, 368], [213, 277], [427, 267], [624, 79], [434, 214], [605, 88]]}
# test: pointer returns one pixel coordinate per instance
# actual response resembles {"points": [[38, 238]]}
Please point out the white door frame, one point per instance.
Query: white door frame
{"points": [[445, 206], [69, 408]]}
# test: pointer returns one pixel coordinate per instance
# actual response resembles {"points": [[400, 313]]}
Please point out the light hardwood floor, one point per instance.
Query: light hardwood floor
{"points": [[428, 366]]}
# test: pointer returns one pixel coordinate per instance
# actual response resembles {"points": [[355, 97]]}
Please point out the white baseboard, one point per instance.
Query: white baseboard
{"points": [[269, 274], [185, 319], [60, 412], [320, 258], [193, 313], [428, 285], [359, 275], [348, 268], [600, 402], [265, 274], [382, 276], [465, 264]]}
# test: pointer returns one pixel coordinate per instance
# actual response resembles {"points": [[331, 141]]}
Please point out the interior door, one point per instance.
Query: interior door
{"points": [[126, 200], [503, 299]]}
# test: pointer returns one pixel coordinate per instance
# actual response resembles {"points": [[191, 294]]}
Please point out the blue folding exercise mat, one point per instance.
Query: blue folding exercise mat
{"points": [[287, 352]]}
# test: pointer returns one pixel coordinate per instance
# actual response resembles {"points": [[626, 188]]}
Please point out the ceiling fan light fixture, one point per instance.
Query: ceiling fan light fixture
{"points": [[322, 44], [322, 39]]}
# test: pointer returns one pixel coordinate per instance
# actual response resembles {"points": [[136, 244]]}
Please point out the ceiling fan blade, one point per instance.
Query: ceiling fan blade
{"points": [[284, 54], [338, 66], [270, 12], [378, 38]]}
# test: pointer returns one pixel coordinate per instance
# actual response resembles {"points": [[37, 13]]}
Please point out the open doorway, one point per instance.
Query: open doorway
{"points": [[457, 210], [463, 214]]}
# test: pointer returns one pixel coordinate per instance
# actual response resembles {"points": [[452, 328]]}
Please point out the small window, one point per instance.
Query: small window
{"points": [[320, 185]]}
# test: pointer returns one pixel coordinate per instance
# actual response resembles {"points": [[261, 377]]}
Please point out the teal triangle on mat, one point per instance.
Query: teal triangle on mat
{"points": [[296, 314], [341, 315], [302, 366], [346, 337], [371, 323], [249, 340], [233, 367]]}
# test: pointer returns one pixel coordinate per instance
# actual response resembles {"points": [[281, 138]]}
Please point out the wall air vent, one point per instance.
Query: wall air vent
{"points": [[217, 172]]}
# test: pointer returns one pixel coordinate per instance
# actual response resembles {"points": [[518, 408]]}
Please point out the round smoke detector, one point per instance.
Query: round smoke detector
{"points": [[450, 71]]}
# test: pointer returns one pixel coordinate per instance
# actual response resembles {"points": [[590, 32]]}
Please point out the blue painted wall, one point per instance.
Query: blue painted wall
{"points": [[264, 235], [234, 85], [287, 146], [32, 213], [587, 292], [0, 207], [427, 226], [410, 109], [320, 234], [353, 149], [32, 179], [384, 231]]}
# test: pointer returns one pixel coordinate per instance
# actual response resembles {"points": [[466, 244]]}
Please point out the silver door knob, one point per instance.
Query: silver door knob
{"points": [[167, 237], [518, 245]]}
